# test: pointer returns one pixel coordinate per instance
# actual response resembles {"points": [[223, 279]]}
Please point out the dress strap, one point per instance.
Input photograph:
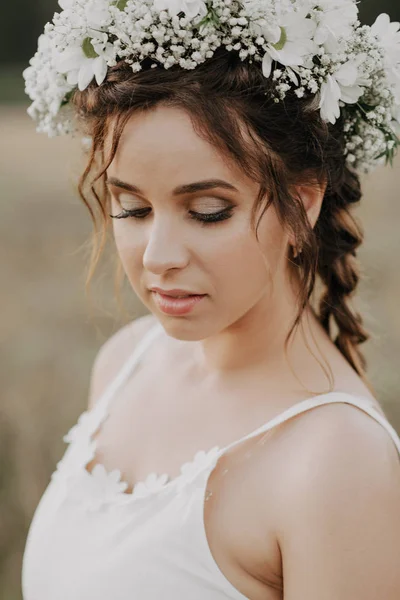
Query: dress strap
{"points": [[129, 366], [91, 419], [361, 402]]}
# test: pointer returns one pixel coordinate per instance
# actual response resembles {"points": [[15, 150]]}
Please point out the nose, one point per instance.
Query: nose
{"points": [[165, 248]]}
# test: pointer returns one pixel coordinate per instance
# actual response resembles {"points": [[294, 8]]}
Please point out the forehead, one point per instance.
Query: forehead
{"points": [[162, 145]]}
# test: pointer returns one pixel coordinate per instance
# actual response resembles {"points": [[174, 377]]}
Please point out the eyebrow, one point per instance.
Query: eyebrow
{"points": [[188, 188]]}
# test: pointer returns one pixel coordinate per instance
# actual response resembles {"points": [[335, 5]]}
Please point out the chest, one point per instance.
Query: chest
{"points": [[153, 430]]}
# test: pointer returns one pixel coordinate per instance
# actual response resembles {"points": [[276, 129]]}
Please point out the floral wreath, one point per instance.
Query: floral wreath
{"points": [[309, 47]]}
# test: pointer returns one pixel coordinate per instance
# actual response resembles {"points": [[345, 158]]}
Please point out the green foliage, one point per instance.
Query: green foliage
{"points": [[88, 49], [390, 154], [211, 18], [279, 45], [67, 98]]}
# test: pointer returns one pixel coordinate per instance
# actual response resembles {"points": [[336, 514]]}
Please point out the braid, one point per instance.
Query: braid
{"points": [[339, 235]]}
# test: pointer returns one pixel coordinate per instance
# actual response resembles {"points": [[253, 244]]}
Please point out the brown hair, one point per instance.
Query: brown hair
{"points": [[280, 144]]}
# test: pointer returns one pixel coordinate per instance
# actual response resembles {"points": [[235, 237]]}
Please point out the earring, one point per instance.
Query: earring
{"points": [[296, 252]]}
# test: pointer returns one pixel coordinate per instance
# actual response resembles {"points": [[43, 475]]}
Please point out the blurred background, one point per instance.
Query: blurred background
{"points": [[50, 331]]}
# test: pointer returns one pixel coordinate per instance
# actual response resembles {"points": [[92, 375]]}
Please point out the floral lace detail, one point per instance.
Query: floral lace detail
{"points": [[201, 462], [151, 485], [84, 425], [88, 422], [81, 447], [100, 488]]}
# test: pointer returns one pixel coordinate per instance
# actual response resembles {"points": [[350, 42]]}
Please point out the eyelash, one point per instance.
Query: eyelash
{"points": [[203, 218]]}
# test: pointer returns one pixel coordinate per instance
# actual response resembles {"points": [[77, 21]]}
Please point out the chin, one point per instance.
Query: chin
{"points": [[183, 329]]}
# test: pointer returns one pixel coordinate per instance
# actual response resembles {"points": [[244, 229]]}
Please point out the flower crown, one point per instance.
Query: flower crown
{"points": [[307, 47]]}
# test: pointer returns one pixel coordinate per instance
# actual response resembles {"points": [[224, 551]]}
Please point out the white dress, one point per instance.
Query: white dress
{"points": [[90, 540]]}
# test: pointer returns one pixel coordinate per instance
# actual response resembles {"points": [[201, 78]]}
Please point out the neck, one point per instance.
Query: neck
{"points": [[256, 344]]}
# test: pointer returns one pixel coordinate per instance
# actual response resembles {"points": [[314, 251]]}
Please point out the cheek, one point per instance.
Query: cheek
{"points": [[124, 238], [245, 263], [125, 235], [241, 268], [129, 247]]}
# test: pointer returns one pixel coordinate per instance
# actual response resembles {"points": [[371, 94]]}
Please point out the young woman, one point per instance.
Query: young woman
{"points": [[233, 447]]}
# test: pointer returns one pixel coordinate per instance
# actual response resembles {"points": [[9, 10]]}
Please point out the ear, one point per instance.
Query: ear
{"points": [[312, 197]]}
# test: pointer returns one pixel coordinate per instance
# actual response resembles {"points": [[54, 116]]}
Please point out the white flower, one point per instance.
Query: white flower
{"points": [[97, 13], [310, 39], [66, 4], [269, 30], [44, 43], [191, 8], [80, 69], [341, 85], [388, 34], [105, 50], [296, 44], [335, 21]]}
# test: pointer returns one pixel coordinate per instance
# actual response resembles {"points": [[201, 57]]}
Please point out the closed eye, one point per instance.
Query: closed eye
{"points": [[203, 218]]}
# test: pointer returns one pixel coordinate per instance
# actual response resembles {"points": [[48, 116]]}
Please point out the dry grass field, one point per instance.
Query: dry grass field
{"points": [[50, 333]]}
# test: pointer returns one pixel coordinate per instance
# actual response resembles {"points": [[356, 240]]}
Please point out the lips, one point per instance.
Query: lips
{"points": [[176, 296], [171, 305], [175, 293]]}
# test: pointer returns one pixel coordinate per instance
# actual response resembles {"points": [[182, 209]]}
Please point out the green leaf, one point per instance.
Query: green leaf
{"points": [[88, 49], [389, 154], [366, 106], [121, 4], [67, 98], [210, 18], [215, 17], [279, 45]]}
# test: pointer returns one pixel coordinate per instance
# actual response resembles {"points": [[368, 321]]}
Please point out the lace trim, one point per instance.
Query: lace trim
{"points": [[101, 488]]}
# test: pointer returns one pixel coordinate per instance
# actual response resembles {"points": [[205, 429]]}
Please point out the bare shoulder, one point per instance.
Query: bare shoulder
{"points": [[340, 501], [338, 432], [114, 352]]}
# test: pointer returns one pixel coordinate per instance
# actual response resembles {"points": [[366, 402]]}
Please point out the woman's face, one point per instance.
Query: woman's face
{"points": [[174, 179]]}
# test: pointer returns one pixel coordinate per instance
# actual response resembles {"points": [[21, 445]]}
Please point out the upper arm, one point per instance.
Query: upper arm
{"points": [[113, 353], [339, 531]]}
